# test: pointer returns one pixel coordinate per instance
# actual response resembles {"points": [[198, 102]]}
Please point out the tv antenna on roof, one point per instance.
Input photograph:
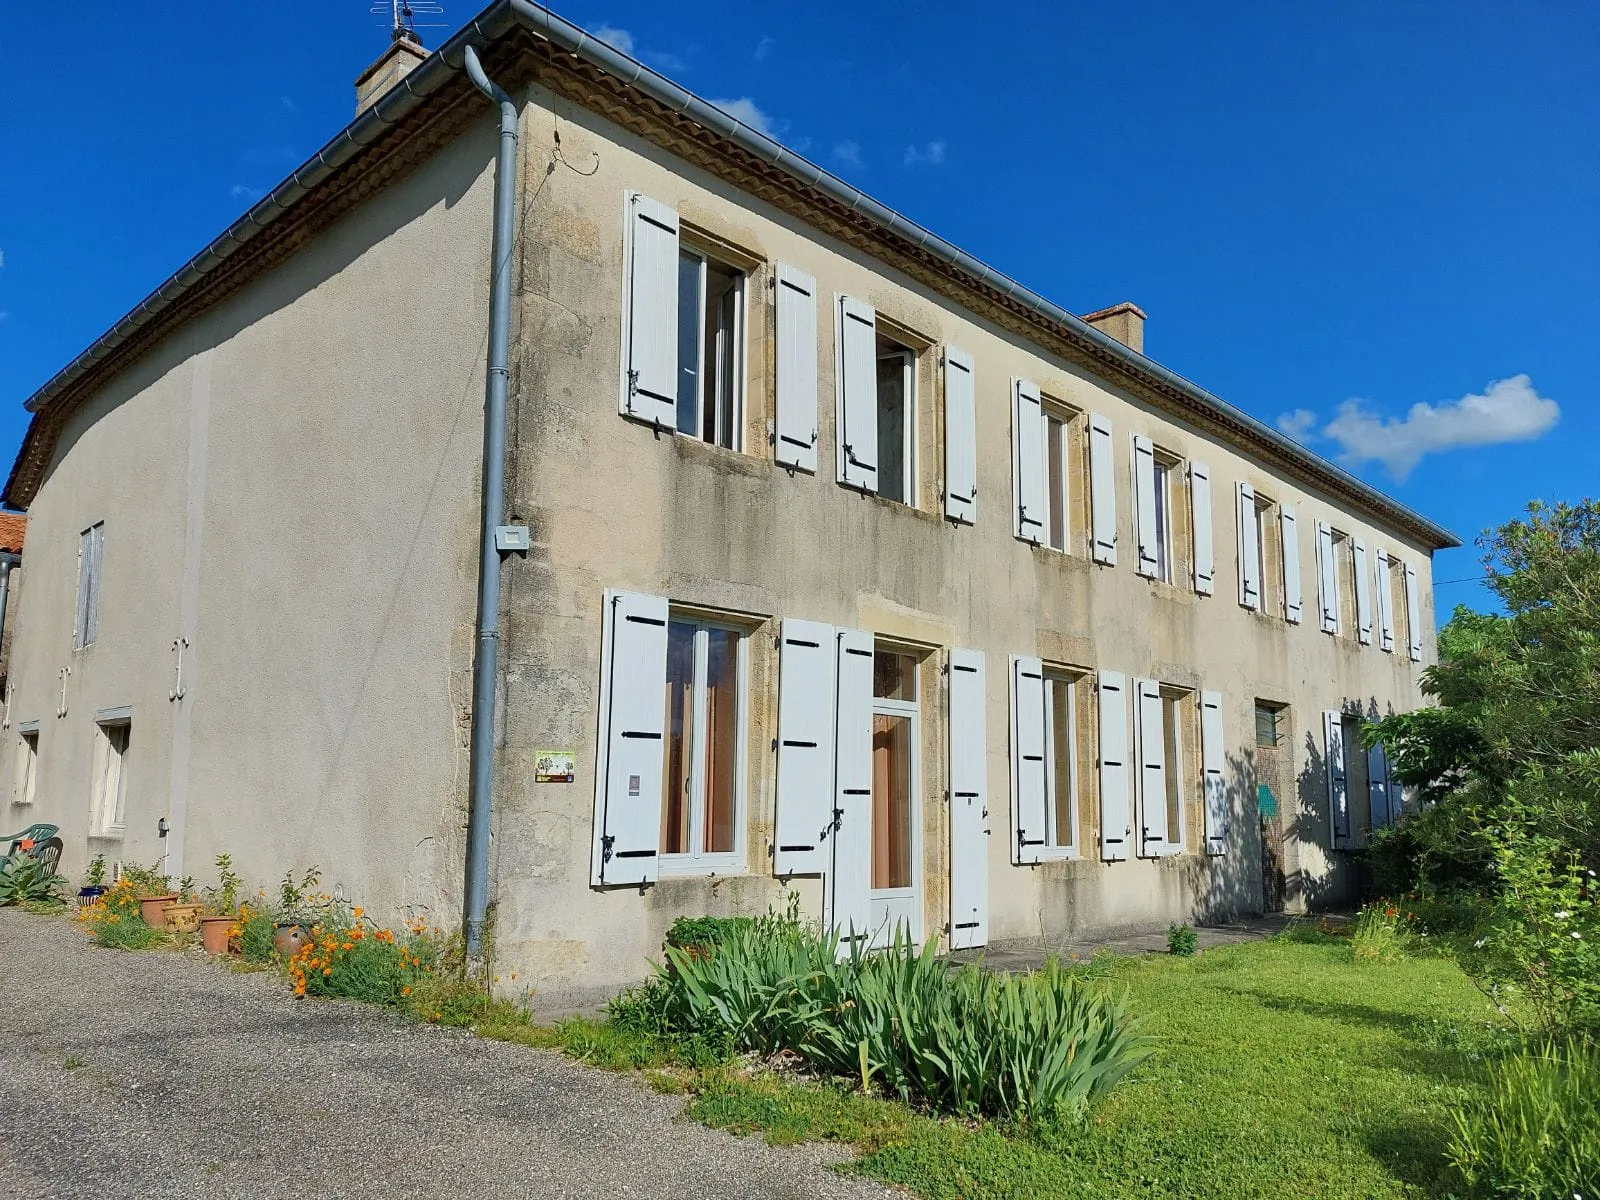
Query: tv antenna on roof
{"points": [[402, 17]]}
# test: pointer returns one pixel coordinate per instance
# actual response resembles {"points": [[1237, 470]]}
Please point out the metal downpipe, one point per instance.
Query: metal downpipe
{"points": [[485, 665]]}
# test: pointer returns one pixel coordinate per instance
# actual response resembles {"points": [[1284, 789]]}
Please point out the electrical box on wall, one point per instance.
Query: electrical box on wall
{"points": [[511, 537]]}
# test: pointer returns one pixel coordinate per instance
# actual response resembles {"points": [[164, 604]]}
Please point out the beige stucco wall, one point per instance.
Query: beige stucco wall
{"points": [[289, 484], [613, 505]]}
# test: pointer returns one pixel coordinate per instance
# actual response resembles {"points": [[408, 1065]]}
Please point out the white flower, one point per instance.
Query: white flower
{"points": [[1576, 934], [1563, 915], [1478, 945]]}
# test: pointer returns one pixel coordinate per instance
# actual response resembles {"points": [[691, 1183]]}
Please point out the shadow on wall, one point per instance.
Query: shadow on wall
{"points": [[1230, 886]]}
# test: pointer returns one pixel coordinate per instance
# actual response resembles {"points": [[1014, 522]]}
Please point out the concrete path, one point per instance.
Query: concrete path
{"points": [[159, 1075], [1028, 958]]}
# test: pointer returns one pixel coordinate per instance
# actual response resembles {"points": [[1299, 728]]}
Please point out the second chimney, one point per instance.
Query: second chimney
{"points": [[393, 65], [1124, 321]]}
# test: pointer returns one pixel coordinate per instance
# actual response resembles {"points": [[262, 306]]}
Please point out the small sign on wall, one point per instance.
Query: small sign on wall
{"points": [[554, 766]]}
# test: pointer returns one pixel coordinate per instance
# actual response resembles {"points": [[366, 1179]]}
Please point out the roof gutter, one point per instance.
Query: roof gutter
{"points": [[495, 21]]}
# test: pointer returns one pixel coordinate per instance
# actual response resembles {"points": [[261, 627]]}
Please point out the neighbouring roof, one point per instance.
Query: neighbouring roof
{"points": [[521, 41], [12, 527]]}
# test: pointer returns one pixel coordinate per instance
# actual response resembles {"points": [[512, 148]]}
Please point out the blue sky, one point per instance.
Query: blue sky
{"points": [[1332, 213]]}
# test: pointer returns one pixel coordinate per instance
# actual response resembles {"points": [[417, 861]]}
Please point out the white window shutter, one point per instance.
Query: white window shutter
{"points": [[795, 434], [633, 708], [806, 664], [1338, 784], [1413, 614], [1292, 594], [1028, 796], [1144, 504], [857, 415], [1205, 558], [1214, 766], [849, 883], [1249, 548], [650, 366], [1378, 786], [1027, 461], [960, 437], [1327, 579], [1102, 491], [969, 802], [1116, 801], [1363, 595], [1380, 580], [1152, 750]]}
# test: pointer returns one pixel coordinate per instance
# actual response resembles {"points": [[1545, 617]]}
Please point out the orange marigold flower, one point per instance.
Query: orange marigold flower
{"points": [[406, 991], [356, 912], [327, 970]]}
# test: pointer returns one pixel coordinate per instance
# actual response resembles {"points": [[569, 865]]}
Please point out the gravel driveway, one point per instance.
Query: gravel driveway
{"points": [[156, 1075]]}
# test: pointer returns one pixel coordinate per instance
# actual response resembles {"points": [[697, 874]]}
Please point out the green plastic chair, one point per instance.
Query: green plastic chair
{"points": [[39, 834]]}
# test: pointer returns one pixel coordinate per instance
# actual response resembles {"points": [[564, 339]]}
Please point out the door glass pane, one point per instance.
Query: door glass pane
{"points": [[689, 331], [721, 715], [1172, 712], [1059, 697], [1056, 465], [891, 801], [675, 814], [894, 675], [892, 418]]}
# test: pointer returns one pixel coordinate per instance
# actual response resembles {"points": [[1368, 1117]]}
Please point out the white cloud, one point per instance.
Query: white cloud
{"points": [[763, 46], [620, 38], [744, 109], [240, 191], [1301, 424], [930, 155], [848, 153], [1509, 410]]}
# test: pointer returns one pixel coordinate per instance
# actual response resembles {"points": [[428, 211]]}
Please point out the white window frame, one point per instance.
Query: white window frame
{"points": [[1175, 702], [1054, 847], [91, 572], [1162, 467], [697, 861], [913, 709], [108, 797], [688, 248], [25, 782], [908, 449], [1049, 412]]}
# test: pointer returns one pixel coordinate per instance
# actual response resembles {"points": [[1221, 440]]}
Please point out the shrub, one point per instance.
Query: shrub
{"points": [[1037, 1046], [1536, 1132], [24, 879], [115, 922], [350, 958], [145, 881], [1380, 934], [705, 932], [1182, 940]]}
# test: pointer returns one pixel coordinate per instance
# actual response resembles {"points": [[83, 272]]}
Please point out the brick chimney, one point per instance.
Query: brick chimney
{"points": [[403, 54], [1124, 321]]}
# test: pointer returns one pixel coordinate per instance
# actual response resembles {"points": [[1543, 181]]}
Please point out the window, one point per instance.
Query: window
{"points": [[1166, 760], [91, 553], [1269, 552], [1163, 511], [1156, 473], [1344, 553], [710, 349], [1061, 760], [1063, 442], [704, 735], [894, 769], [1268, 731], [108, 802], [27, 766], [896, 421], [1172, 711]]}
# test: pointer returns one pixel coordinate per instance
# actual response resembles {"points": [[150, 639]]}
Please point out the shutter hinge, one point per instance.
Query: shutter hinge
{"points": [[607, 842]]}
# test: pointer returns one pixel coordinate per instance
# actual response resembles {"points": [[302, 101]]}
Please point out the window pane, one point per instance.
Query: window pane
{"points": [[1266, 725], [720, 387], [1163, 533], [1172, 712], [678, 764], [892, 419], [1056, 465], [722, 738], [688, 342], [1059, 697], [891, 801], [894, 675]]}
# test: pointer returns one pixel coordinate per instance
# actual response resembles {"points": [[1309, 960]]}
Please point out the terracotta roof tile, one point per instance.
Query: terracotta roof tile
{"points": [[12, 527]]}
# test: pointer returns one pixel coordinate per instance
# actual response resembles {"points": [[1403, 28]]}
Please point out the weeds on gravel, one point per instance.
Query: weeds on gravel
{"points": [[116, 923], [350, 958]]}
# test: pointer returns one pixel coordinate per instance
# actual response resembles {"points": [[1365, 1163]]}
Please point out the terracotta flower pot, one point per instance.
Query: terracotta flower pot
{"points": [[214, 933], [185, 918], [289, 940], [153, 909]]}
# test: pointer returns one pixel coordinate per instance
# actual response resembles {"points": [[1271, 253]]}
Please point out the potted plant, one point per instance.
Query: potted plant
{"points": [[154, 893], [184, 914], [293, 920], [220, 908], [94, 883]]}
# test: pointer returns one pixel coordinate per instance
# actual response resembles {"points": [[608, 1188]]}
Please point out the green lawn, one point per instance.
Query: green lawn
{"points": [[1286, 1069]]}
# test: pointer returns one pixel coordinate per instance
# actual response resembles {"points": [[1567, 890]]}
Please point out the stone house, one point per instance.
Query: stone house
{"points": [[854, 568]]}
